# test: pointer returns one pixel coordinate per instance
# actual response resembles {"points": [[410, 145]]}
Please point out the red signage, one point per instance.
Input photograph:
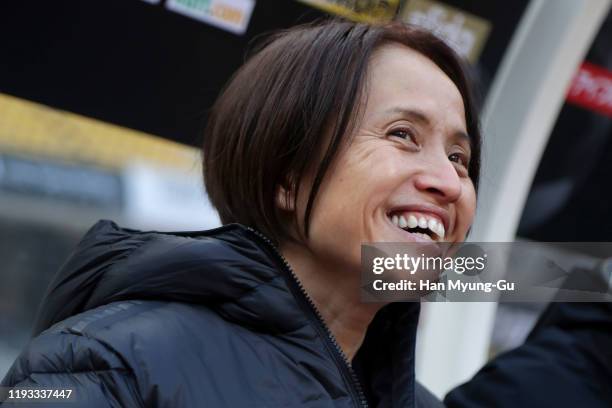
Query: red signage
{"points": [[591, 89]]}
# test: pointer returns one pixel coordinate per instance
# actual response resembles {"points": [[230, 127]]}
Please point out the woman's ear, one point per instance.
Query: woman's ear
{"points": [[285, 199]]}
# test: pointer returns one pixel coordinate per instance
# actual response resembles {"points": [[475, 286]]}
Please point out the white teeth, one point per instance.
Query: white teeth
{"points": [[422, 222], [412, 221], [432, 224], [436, 227]]}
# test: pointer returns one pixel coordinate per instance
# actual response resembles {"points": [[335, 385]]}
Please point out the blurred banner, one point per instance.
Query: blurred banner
{"points": [[32, 129], [367, 11], [463, 31], [592, 89], [230, 15], [62, 168]]}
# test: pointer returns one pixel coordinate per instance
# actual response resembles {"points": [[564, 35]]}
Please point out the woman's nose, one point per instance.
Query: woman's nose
{"points": [[440, 179]]}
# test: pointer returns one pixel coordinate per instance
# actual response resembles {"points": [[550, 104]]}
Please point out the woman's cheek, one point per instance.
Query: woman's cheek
{"points": [[466, 210]]}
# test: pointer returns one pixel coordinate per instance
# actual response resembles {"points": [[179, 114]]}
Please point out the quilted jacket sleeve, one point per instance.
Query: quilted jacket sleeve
{"points": [[62, 360]]}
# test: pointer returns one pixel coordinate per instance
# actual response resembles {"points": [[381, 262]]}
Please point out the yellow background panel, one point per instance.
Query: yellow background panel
{"points": [[33, 129]]}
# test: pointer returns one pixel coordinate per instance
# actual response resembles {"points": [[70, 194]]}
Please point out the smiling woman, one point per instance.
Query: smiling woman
{"points": [[303, 98], [350, 134], [330, 135]]}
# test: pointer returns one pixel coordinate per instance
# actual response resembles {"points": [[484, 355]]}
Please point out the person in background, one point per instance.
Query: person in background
{"points": [[330, 135]]}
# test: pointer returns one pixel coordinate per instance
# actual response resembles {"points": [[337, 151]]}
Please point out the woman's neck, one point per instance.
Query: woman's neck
{"points": [[337, 296]]}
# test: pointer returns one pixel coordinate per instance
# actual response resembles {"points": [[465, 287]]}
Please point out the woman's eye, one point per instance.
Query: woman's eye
{"points": [[403, 134], [458, 158]]}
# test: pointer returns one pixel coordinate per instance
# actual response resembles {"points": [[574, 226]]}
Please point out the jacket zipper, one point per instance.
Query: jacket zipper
{"points": [[345, 365]]}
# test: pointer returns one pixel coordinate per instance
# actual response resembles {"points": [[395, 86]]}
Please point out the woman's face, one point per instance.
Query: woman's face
{"points": [[404, 176]]}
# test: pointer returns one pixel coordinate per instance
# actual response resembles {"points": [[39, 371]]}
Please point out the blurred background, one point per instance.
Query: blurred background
{"points": [[102, 106]]}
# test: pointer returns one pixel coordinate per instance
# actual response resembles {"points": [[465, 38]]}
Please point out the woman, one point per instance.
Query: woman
{"points": [[330, 135]]}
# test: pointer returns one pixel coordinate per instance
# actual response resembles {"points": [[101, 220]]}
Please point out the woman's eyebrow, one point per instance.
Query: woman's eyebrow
{"points": [[463, 137], [414, 114]]}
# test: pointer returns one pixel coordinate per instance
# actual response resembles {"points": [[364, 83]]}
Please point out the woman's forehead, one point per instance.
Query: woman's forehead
{"points": [[401, 79]]}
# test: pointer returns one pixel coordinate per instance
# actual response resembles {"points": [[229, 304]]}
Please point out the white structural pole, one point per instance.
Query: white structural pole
{"points": [[521, 109]]}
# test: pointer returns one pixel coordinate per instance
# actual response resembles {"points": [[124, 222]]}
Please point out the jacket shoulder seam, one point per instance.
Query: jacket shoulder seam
{"points": [[114, 311], [121, 370]]}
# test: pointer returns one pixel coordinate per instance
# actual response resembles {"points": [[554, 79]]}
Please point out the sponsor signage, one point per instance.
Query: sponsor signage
{"points": [[464, 32], [591, 89], [368, 11], [229, 15]]}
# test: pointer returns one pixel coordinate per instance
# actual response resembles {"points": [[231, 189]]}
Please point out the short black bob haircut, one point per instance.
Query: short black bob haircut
{"points": [[290, 108]]}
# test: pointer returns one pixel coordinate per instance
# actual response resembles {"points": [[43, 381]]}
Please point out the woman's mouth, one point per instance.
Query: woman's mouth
{"points": [[426, 226]]}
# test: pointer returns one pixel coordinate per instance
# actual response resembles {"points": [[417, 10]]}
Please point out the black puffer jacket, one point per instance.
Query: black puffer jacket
{"points": [[217, 319], [206, 319]]}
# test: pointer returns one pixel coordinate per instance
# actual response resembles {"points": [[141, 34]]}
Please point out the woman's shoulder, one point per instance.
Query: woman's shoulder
{"points": [[137, 336], [137, 348], [137, 330]]}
